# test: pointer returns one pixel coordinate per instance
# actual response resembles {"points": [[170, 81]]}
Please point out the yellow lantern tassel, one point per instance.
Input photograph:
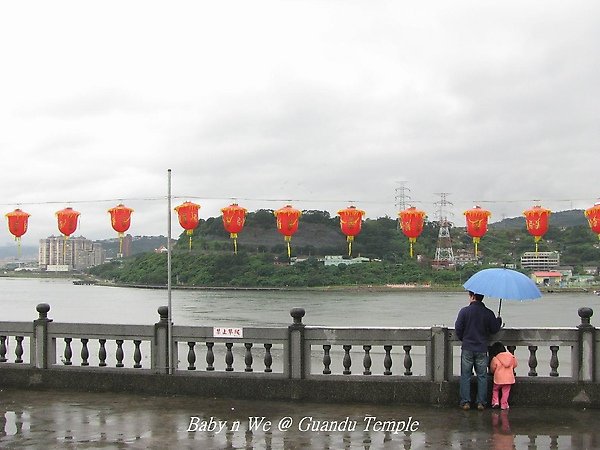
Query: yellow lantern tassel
{"points": [[537, 239], [289, 249], [190, 233], [18, 239], [411, 241], [476, 241], [350, 239], [121, 244], [234, 237]]}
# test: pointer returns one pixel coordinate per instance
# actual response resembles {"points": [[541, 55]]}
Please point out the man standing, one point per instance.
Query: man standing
{"points": [[474, 325]]}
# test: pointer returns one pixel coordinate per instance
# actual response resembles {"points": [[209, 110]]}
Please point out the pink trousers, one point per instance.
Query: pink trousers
{"points": [[505, 388]]}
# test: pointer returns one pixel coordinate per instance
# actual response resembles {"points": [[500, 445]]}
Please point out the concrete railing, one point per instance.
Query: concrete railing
{"points": [[294, 354]]}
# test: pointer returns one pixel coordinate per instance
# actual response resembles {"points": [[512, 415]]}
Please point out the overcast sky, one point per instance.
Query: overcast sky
{"points": [[318, 103]]}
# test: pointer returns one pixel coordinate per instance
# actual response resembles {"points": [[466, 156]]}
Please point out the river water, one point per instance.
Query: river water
{"points": [[80, 420], [245, 308]]}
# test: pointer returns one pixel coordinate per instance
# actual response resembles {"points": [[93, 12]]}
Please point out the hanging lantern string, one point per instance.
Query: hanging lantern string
{"points": [[303, 200]]}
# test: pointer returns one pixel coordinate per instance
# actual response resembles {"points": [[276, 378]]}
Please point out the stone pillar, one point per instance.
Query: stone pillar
{"points": [[297, 362], [43, 351], [160, 349], [440, 354], [586, 355]]}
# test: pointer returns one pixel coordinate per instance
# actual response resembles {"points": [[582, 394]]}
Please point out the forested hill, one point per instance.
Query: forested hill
{"points": [[571, 218], [211, 261], [319, 234]]}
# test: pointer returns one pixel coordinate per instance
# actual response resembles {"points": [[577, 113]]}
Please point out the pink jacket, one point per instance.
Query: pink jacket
{"points": [[502, 366]]}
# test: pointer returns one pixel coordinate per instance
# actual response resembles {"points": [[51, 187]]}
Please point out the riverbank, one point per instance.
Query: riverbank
{"points": [[84, 279]]}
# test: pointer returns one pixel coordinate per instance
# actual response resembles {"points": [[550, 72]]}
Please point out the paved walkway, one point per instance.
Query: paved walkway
{"points": [[47, 420]]}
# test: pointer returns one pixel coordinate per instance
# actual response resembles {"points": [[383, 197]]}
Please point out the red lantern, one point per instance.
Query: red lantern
{"points": [[120, 219], [187, 213], [477, 221], [17, 225], [287, 223], [350, 223], [536, 220], [411, 223], [234, 217], [593, 216], [67, 221]]}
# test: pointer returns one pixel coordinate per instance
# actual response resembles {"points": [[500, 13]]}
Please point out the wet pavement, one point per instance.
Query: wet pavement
{"points": [[53, 420]]}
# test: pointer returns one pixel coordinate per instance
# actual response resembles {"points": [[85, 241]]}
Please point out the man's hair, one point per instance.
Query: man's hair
{"points": [[478, 297]]}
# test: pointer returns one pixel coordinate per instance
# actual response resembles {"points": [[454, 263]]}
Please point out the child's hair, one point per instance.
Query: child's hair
{"points": [[497, 347]]}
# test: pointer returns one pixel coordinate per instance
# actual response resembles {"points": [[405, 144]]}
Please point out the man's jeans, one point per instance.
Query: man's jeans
{"points": [[468, 360]]}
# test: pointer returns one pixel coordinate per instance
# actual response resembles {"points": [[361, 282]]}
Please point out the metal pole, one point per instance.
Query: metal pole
{"points": [[170, 314]]}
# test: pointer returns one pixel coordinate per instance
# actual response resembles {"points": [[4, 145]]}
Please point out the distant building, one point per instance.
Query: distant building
{"points": [[75, 253], [541, 261], [336, 260], [127, 243], [462, 257], [548, 278]]}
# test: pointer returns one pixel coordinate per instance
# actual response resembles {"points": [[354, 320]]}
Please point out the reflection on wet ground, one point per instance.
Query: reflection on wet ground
{"points": [[106, 420]]}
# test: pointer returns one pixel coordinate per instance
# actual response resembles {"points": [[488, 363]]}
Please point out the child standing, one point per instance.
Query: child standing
{"points": [[503, 367]]}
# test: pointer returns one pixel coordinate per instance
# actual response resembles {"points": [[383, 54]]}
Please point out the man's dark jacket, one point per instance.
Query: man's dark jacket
{"points": [[474, 325]]}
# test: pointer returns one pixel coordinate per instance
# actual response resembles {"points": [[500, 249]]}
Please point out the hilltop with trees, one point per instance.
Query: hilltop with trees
{"points": [[262, 256]]}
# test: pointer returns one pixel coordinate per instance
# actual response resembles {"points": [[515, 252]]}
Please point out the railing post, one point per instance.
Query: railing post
{"points": [[298, 364], [160, 349], [586, 339], [42, 350], [439, 358]]}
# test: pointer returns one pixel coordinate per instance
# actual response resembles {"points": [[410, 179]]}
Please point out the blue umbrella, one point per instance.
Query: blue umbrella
{"points": [[503, 284]]}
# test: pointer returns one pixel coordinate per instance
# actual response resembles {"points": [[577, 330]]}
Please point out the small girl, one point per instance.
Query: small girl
{"points": [[503, 367]]}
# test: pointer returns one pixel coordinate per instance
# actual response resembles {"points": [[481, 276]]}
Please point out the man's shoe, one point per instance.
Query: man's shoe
{"points": [[480, 407], [465, 406]]}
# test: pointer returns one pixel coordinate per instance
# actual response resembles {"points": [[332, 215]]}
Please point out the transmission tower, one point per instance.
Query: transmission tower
{"points": [[401, 198], [444, 256]]}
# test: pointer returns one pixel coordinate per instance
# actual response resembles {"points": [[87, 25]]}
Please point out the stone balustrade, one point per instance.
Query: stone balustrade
{"points": [[390, 360]]}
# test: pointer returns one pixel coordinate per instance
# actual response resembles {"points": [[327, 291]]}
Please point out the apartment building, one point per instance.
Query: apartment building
{"points": [[543, 261], [58, 254]]}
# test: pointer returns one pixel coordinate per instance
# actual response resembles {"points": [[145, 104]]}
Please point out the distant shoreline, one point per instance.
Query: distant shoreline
{"points": [[341, 288]]}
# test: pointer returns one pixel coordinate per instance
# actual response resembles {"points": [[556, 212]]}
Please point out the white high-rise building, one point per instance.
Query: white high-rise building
{"points": [[75, 253]]}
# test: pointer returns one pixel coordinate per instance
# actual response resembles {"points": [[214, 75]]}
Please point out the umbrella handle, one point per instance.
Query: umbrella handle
{"points": [[499, 307]]}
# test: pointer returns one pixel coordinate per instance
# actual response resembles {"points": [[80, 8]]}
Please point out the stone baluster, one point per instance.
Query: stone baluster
{"points": [[554, 361], [43, 348], [347, 360], [367, 360], [68, 352], [19, 349], [3, 349], [191, 357], [407, 360], [587, 337], [299, 363], [119, 354], [160, 349], [532, 361], [326, 359], [229, 357], [387, 360], [137, 354], [268, 359], [102, 353], [248, 357], [85, 354], [210, 356]]}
